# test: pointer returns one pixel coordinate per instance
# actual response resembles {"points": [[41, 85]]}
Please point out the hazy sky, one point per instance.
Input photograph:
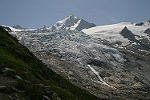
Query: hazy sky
{"points": [[39, 13]]}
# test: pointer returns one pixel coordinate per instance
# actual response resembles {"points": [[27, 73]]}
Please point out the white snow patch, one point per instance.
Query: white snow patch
{"points": [[12, 29], [75, 25], [101, 81]]}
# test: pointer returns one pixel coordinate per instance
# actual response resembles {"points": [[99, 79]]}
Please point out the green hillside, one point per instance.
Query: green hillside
{"points": [[24, 77]]}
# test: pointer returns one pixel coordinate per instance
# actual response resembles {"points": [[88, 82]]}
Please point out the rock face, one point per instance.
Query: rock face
{"points": [[128, 34], [139, 24], [144, 23], [147, 31], [84, 25]]}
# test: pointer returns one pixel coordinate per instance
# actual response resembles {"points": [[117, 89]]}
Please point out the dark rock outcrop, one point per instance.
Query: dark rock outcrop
{"points": [[147, 31], [126, 33]]}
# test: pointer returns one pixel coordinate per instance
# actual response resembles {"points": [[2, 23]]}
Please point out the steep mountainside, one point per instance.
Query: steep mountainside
{"points": [[24, 77], [110, 61], [100, 69]]}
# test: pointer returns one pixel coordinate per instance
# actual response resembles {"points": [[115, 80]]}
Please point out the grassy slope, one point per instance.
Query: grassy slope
{"points": [[32, 71]]}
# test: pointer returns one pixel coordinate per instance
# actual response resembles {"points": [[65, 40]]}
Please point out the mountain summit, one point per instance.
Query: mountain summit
{"points": [[126, 33], [18, 27], [71, 22], [144, 23]]}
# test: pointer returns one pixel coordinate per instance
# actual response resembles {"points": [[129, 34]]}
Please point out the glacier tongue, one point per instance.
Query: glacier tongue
{"points": [[73, 46]]}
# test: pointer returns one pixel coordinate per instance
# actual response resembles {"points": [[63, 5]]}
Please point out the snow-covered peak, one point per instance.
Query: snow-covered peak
{"points": [[66, 23], [71, 22]]}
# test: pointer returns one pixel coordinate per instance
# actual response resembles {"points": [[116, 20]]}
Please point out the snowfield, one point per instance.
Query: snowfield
{"points": [[111, 32]]}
